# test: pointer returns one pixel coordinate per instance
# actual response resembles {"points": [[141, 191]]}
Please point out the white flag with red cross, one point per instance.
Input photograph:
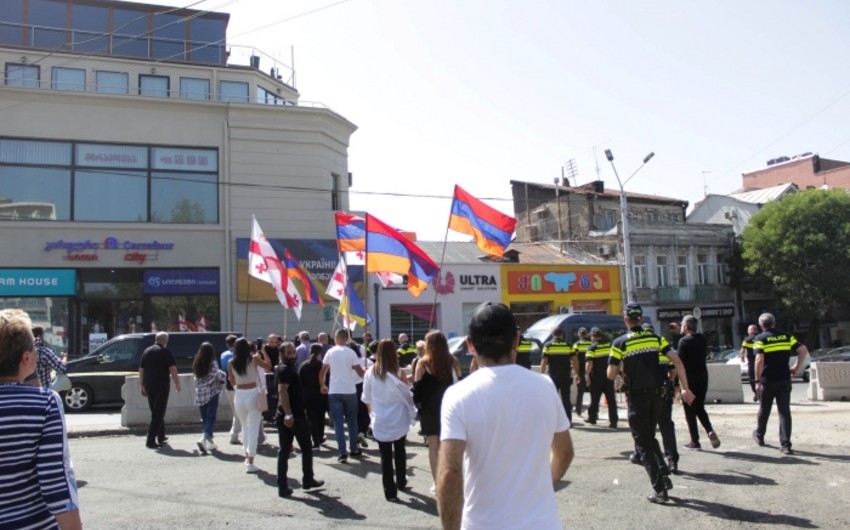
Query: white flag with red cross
{"points": [[265, 265]]}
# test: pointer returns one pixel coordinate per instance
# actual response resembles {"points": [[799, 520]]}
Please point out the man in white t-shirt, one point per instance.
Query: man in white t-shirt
{"points": [[346, 371], [500, 457]]}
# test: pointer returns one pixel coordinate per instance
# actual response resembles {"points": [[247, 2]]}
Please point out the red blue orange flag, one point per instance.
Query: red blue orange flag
{"points": [[387, 250], [294, 270], [491, 228], [350, 232]]}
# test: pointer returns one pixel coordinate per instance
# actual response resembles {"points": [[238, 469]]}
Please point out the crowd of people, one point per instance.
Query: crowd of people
{"points": [[381, 388]]}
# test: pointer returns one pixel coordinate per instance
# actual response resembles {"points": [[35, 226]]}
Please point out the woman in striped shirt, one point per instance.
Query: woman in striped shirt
{"points": [[38, 489]]}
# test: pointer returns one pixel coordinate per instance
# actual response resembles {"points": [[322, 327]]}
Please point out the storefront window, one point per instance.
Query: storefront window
{"points": [[184, 198], [527, 313], [412, 319], [51, 313], [186, 313], [108, 196], [34, 194]]}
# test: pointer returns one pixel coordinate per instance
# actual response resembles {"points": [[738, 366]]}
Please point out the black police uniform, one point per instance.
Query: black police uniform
{"points": [[776, 346], [748, 344], [406, 354], [580, 347], [560, 355], [597, 354], [524, 349], [639, 352], [666, 426]]}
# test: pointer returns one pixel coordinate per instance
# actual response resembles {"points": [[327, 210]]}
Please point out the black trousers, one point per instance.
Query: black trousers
{"points": [[300, 432], [393, 466], [644, 410], [157, 401], [781, 391], [751, 371], [563, 387], [696, 410], [362, 412], [317, 410], [581, 387], [667, 428], [598, 388]]}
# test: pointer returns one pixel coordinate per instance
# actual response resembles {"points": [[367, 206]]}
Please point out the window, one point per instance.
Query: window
{"points": [[682, 270], [703, 270], [191, 88], [722, 269], [412, 319], [672, 217], [154, 85], [639, 270], [112, 82], [652, 216], [73, 79], [661, 271], [23, 75], [634, 216], [233, 91], [107, 182], [335, 203], [604, 220]]}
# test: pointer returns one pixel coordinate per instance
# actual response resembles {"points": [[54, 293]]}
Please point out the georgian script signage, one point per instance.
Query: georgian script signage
{"points": [[704, 312], [137, 252]]}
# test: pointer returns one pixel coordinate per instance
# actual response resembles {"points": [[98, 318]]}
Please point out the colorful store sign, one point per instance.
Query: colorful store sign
{"points": [[561, 281], [38, 282]]}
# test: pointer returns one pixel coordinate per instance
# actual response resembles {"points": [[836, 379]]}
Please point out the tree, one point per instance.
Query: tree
{"points": [[801, 246]]}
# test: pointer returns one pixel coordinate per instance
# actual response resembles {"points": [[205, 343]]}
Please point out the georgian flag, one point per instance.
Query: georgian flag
{"points": [[264, 265]]}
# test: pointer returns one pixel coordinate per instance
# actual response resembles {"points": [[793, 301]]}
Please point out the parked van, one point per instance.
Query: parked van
{"points": [[98, 376], [612, 326]]}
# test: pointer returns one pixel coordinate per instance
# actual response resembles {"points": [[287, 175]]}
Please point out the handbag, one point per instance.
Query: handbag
{"points": [[262, 400]]}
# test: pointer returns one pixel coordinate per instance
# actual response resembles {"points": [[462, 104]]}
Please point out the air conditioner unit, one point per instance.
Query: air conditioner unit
{"points": [[604, 250], [564, 309]]}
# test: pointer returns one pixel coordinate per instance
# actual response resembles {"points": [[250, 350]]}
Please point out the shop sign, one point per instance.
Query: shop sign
{"points": [[587, 306], [450, 283], [103, 155], [555, 282], [184, 159], [134, 251], [38, 282], [699, 312], [204, 281]]}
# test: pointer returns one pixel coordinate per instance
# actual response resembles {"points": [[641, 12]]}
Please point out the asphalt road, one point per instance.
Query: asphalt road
{"points": [[740, 485]]}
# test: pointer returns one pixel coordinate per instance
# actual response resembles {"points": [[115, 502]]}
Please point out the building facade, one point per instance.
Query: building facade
{"points": [[132, 158]]}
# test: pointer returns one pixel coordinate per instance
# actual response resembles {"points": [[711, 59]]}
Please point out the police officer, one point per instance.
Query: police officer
{"points": [[560, 359], [580, 347], [596, 360], [773, 377], [524, 348], [748, 355], [636, 354], [406, 352], [666, 426]]}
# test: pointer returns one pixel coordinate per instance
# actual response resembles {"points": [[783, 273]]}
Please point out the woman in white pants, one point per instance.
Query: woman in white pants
{"points": [[242, 373]]}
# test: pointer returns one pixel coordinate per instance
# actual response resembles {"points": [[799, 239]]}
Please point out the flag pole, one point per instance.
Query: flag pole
{"points": [[442, 258], [247, 303], [285, 323]]}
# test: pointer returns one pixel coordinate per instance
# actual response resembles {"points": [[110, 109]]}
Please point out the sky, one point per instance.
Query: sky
{"points": [[478, 93]]}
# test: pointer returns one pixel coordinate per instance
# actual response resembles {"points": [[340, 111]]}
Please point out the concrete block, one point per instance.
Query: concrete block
{"points": [[724, 384], [831, 381], [181, 405]]}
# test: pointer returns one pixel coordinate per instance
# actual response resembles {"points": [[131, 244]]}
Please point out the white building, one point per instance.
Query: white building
{"points": [[132, 157]]}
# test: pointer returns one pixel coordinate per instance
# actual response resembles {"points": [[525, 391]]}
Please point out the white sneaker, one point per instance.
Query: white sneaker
{"points": [[433, 489], [210, 445], [251, 468], [202, 446]]}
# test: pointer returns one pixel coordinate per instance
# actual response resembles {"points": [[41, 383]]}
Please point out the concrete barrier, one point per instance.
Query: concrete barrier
{"points": [[724, 383], [181, 405], [829, 382]]}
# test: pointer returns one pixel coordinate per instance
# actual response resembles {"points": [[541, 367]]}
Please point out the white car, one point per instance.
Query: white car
{"points": [[804, 374]]}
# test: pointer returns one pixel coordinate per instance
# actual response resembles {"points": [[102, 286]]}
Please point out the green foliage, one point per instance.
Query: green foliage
{"points": [[801, 246]]}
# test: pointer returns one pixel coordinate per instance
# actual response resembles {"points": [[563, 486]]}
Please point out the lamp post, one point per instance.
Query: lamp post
{"points": [[624, 214]]}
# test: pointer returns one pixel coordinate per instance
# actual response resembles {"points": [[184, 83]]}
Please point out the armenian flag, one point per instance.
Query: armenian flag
{"points": [[294, 270], [491, 228], [387, 250], [350, 232]]}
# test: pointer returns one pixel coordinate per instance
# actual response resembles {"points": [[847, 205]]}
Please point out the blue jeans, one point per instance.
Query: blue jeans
{"points": [[344, 405], [208, 412]]}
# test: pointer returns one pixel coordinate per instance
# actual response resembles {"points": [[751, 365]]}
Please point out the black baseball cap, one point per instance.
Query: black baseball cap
{"points": [[633, 310], [582, 330], [596, 332]]}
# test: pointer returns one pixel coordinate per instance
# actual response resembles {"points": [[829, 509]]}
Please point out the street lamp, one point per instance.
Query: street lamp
{"points": [[627, 247]]}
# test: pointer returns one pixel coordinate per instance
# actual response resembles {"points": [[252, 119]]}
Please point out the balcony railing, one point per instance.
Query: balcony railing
{"points": [[692, 293]]}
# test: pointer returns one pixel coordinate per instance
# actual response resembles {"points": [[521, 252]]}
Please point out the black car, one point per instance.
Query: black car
{"points": [[99, 376]]}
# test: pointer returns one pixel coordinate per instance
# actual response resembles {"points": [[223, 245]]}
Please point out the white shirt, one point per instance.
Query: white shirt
{"points": [[341, 360], [507, 475], [393, 411]]}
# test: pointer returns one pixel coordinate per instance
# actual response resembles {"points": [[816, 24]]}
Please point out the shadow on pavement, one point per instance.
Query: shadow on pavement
{"points": [[734, 513], [731, 477], [562, 484], [419, 502], [167, 450], [839, 458], [330, 507], [762, 459]]}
